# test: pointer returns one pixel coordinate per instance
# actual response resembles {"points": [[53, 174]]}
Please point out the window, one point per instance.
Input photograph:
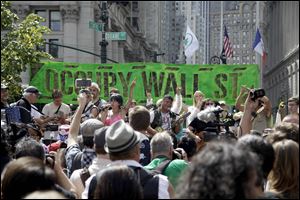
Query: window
{"points": [[53, 49], [55, 20], [42, 13], [52, 17]]}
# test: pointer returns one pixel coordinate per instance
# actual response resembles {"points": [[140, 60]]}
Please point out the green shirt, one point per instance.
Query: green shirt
{"points": [[173, 171]]}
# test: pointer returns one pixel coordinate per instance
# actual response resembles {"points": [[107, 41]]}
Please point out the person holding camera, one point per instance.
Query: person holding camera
{"points": [[261, 113], [163, 154]]}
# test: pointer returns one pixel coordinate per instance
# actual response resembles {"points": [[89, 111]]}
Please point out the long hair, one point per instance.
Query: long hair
{"points": [[284, 177], [118, 182], [221, 170], [194, 99]]}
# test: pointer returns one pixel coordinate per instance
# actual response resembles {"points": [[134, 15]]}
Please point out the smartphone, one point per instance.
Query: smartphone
{"points": [[83, 83]]}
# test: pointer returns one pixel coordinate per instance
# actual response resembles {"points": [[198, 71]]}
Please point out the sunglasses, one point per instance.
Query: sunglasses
{"points": [[209, 104]]}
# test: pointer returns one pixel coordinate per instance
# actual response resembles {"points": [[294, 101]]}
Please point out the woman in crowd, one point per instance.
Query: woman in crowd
{"points": [[117, 111], [284, 177], [196, 107]]}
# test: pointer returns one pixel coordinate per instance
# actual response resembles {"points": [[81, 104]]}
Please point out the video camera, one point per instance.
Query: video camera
{"points": [[210, 123]]}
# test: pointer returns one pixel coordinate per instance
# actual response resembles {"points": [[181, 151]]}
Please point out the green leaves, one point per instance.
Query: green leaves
{"points": [[18, 46]]}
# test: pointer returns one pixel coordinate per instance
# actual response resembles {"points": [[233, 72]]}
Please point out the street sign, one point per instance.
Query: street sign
{"points": [[115, 35], [96, 26]]}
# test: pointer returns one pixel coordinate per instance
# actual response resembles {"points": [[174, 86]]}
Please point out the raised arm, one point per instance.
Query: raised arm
{"points": [[177, 105], [238, 103], [246, 121], [75, 124]]}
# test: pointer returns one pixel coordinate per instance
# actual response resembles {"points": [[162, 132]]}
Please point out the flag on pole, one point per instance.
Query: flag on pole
{"points": [[226, 46], [258, 46], [191, 43]]}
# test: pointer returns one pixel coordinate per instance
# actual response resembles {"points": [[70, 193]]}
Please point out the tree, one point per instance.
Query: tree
{"points": [[19, 42]]}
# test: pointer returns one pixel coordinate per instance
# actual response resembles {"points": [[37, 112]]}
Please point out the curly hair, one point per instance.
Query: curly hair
{"points": [[221, 170]]}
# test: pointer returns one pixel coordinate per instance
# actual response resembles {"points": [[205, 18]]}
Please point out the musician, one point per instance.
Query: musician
{"points": [[57, 110], [162, 118]]}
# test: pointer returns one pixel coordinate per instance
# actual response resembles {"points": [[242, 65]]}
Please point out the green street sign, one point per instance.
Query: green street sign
{"points": [[96, 26], [115, 35]]}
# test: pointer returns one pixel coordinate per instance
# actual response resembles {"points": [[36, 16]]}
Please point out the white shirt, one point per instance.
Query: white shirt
{"points": [[163, 183], [50, 108], [97, 165], [34, 112], [194, 111]]}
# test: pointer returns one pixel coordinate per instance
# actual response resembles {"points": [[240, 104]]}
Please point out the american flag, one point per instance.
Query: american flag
{"points": [[226, 47]]}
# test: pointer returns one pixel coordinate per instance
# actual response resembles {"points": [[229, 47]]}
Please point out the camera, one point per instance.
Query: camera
{"points": [[104, 107], [51, 127], [83, 83], [257, 93]]}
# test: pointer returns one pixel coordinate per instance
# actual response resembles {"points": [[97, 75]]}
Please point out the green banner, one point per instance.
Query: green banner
{"points": [[219, 82]]}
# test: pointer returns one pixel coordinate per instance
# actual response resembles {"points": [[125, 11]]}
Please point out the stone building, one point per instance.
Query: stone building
{"points": [[280, 28], [69, 22]]}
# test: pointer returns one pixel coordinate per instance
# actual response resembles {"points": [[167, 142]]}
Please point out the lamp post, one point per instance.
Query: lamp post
{"points": [[155, 55], [104, 43]]}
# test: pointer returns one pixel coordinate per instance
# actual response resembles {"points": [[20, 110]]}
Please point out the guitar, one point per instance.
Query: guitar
{"points": [[175, 126]]}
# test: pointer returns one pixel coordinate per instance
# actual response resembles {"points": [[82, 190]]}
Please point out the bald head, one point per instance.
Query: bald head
{"points": [[292, 118]]}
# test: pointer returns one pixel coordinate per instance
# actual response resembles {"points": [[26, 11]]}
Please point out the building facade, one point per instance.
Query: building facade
{"points": [[239, 17], [70, 25], [280, 27]]}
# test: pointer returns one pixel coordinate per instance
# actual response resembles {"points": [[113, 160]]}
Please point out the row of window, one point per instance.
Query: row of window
{"points": [[52, 19], [51, 49]]}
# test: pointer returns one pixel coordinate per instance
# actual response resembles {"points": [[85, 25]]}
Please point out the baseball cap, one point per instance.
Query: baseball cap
{"points": [[32, 89]]}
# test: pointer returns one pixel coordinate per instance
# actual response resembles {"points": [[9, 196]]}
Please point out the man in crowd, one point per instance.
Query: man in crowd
{"points": [[95, 90], [139, 120], [122, 145], [76, 159], [162, 150], [163, 118]]}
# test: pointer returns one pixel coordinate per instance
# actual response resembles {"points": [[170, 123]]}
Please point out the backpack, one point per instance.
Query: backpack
{"points": [[76, 164], [147, 179]]}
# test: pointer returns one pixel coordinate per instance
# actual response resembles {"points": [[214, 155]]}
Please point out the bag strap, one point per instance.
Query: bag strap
{"points": [[57, 109], [84, 175], [160, 169]]}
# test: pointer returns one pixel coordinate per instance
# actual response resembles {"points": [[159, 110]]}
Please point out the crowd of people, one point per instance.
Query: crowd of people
{"points": [[112, 148]]}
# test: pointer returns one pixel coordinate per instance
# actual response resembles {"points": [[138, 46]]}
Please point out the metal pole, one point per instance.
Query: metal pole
{"points": [[221, 28], [69, 47], [258, 57], [104, 43]]}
